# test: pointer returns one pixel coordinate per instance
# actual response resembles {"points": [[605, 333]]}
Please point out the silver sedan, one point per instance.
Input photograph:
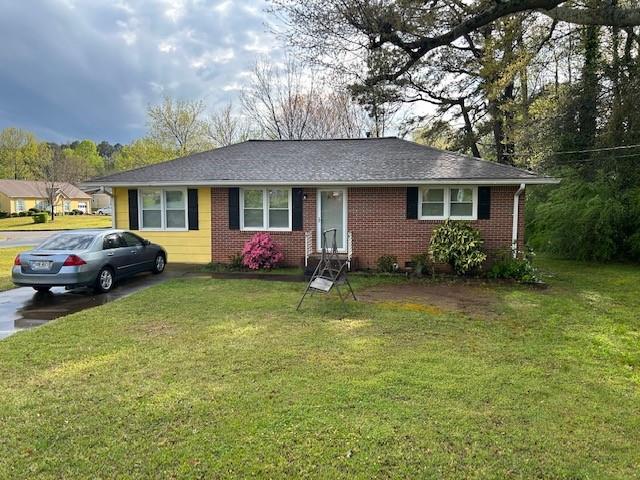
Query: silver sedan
{"points": [[87, 258]]}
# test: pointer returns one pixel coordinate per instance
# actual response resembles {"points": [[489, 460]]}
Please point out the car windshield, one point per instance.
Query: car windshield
{"points": [[67, 242]]}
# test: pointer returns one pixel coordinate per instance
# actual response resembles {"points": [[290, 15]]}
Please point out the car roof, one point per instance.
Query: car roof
{"points": [[89, 231]]}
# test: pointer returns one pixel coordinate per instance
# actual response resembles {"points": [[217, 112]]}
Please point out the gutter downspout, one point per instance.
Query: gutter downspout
{"points": [[516, 215]]}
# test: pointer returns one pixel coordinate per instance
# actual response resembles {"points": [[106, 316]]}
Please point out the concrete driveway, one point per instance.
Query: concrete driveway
{"points": [[23, 308], [10, 239]]}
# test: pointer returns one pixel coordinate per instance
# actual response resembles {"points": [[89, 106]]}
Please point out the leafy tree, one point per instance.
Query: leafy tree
{"points": [[179, 125], [142, 152], [225, 128], [17, 149], [86, 156]]}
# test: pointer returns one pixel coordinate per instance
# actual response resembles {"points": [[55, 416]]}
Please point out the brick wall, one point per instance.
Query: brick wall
{"points": [[225, 242], [377, 219]]}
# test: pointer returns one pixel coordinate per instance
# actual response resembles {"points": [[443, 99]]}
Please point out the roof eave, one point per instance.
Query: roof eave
{"points": [[239, 183]]}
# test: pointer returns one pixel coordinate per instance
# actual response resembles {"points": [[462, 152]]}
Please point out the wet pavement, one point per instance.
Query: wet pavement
{"points": [[22, 308]]}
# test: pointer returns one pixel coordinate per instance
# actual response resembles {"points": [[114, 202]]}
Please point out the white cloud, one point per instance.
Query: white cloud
{"points": [[223, 7], [235, 86], [128, 30], [258, 43], [166, 47], [219, 56], [175, 9]]}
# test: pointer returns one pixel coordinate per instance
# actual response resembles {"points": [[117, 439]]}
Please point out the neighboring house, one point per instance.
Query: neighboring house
{"points": [[20, 195], [384, 195], [100, 197]]}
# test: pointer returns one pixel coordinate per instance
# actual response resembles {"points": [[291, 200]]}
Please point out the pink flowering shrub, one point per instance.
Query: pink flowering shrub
{"points": [[261, 252]]}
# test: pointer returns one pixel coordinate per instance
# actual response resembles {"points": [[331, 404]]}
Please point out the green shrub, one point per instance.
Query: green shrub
{"points": [[235, 262], [40, 217], [22, 214], [14, 214], [387, 264], [4, 214], [34, 210], [29, 213], [585, 220], [422, 264], [459, 245], [519, 268]]}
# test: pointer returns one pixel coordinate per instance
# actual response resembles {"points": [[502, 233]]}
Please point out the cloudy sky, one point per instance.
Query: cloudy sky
{"points": [[74, 69]]}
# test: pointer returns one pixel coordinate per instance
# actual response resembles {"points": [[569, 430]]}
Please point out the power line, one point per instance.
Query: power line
{"points": [[621, 147], [591, 150], [579, 160]]}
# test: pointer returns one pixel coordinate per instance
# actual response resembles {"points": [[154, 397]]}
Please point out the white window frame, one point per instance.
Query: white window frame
{"points": [[24, 205], [163, 210], [447, 203], [265, 210]]}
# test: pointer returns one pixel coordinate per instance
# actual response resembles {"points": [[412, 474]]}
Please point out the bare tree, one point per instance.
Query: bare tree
{"points": [[291, 103], [54, 169], [178, 124], [279, 99], [225, 128]]}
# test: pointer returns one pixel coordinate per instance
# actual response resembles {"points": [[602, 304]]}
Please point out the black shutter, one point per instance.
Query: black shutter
{"points": [[297, 198], [133, 209], [234, 208], [192, 202], [484, 203], [412, 202]]}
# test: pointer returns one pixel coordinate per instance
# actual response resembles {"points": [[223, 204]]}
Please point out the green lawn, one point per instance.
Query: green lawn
{"points": [[203, 378], [7, 256], [66, 222]]}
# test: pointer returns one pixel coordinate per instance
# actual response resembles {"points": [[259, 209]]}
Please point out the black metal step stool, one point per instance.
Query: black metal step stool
{"points": [[331, 271]]}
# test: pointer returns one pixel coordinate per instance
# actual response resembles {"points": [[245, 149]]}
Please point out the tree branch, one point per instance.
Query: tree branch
{"points": [[603, 15]]}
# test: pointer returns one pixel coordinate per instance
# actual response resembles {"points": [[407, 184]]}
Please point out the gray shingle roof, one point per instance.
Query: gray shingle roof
{"points": [[34, 189], [320, 161]]}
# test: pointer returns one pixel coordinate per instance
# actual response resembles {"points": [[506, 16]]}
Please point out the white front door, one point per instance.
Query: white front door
{"points": [[332, 213]]}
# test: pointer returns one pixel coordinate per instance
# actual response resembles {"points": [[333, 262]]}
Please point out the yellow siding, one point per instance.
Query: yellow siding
{"points": [[193, 246], [5, 203], [9, 205]]}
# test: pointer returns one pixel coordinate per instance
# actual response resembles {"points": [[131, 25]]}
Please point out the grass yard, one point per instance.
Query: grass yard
{"points": [[202, 378], [66, 222], [7, 256]]}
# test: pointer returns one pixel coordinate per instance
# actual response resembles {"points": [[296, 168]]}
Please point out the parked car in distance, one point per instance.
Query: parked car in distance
{"points": [[87, 258], [104, 211]]}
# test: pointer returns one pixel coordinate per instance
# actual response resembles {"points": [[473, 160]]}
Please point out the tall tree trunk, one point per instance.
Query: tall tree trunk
{"points": [[470, 138]]}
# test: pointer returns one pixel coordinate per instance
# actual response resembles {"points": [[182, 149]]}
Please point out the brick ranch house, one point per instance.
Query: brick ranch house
{"points": [[383, 195]]}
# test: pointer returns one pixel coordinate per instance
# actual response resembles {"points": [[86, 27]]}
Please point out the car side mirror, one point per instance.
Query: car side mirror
{"points": [[146, 242]]}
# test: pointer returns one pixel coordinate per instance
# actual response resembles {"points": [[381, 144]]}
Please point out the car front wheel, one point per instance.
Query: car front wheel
{"points": [[104, 282], [159, 264]]}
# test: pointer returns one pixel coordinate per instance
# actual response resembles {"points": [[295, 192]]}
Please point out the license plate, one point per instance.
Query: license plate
{"points": [[41, 265]]}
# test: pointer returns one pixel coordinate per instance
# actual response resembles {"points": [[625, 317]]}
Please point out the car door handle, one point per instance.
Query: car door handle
{"points": [[134, 251], [110, 254]]}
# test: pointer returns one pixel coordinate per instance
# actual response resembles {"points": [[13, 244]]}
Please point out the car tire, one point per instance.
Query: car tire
{"points": [[159, 264], [104, 280], [42, 288]]}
